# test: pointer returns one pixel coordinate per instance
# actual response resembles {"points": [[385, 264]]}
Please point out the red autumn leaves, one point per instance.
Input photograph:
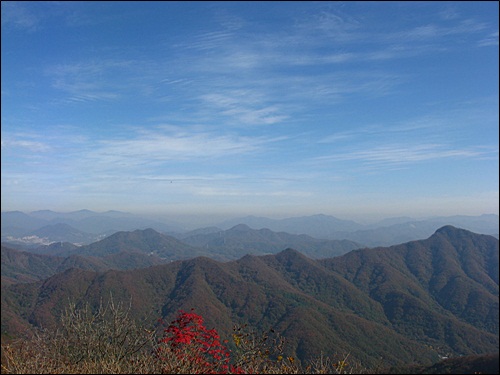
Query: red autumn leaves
{"points": [[191, 345]]}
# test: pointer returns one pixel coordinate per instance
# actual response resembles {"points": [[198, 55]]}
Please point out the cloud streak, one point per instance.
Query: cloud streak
{"points": [[158, 146], [18, 15], [391, 155]]}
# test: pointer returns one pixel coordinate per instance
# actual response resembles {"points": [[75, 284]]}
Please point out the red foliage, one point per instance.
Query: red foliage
{"points": [[197, 348]]}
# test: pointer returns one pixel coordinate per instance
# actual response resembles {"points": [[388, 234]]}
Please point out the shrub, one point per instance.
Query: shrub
{"points": [[188, 347], [106, 341], [109, 341]]}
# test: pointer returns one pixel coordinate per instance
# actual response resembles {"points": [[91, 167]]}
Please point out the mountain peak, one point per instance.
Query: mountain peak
{"points": [[455, 234], [84, 211], [449, 230], [146, 231], [290, 253], [241, 228], [42, 212]]}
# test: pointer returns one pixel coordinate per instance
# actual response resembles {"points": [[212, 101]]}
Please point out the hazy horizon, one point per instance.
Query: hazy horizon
{"points": [[275, 109], [194, 221]]}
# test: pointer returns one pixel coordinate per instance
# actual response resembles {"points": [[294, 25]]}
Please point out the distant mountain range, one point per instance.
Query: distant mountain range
{"points": [[384, 233], [79, 227], [410, 303], [241, 240], [84, 227], [143, 248]]}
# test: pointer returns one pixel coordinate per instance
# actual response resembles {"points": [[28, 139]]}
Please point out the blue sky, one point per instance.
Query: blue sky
{"points": [[351, 109]]}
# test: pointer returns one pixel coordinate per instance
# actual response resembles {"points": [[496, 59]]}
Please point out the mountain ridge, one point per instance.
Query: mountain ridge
{"points": [[396, 302], [387, 232], [242, 239]]}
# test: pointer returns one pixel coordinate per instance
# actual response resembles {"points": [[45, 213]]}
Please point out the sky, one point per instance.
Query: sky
{"points": [[277, 109]]}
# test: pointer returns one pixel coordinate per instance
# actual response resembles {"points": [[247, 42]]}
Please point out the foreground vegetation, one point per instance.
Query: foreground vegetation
{"points": [[109, 341]]}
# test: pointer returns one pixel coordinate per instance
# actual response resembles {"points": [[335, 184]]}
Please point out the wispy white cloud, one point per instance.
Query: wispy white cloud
{"points": [[246, 193], [489, 40], [334, 25], [450, 13], [176, 146], [93, 80], [179, 159], [245, 107], [162, 146], [421, 128], [391, 155], [20, 15], [437, 33], [25, 145], [206, 41], [242, 79], [457, 124]]}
